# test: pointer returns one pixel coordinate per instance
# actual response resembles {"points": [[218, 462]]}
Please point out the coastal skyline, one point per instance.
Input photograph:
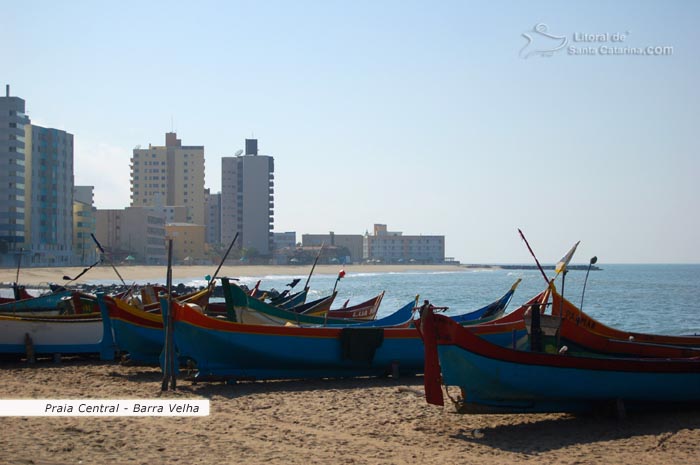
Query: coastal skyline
{"points": [[453, 118]]}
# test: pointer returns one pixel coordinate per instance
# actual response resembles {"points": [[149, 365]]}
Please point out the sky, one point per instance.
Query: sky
{"points": [[464, 119]]}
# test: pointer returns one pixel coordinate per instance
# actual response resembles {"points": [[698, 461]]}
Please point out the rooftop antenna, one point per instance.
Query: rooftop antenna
{"points": [[238, 153]]}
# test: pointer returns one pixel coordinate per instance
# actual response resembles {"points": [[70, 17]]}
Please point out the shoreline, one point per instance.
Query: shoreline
{"points": [[157, 274]]}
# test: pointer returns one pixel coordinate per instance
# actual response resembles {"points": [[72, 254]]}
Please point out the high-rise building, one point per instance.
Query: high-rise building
{"points": [[84, 218], [170, 175], [12, 184], [247, 199], [48, 226], [212, 220]]}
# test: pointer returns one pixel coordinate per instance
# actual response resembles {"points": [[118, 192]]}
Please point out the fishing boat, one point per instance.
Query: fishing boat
{"points": [[318, 307], [576, 317], [363, 311], [139, 333], [225, 349], [242, 308], [54, 304], [67, 334], [498, 379], [46, 302], [18, 293], [578, 337], [288, 302], [219, 348]]}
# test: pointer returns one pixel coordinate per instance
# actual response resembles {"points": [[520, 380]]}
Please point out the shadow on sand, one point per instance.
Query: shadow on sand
{"points": [[533, 433]]}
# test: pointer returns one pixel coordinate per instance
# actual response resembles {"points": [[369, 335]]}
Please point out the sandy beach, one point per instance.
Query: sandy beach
{"points": [[157, 274], [351, 421], [346, 421]]}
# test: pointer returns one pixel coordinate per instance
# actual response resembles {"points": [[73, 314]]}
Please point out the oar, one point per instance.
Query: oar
{"points": [[544, 275], [15, 287], [318, 255], [592, 262], [19, 263], [85, 270], [213, 278], [102, 251]]}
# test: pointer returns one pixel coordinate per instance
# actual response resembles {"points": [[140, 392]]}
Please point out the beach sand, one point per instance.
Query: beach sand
{"points": [[350, 421], [157, 274]]}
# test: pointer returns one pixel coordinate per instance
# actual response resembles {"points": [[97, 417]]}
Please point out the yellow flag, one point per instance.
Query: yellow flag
{"points": [[564, 262]]}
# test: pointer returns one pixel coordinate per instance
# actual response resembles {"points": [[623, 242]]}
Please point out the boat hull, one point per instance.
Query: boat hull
{"points": [[136, 332], [224, 349], [56, 335], [240, 351], [498, 379]]}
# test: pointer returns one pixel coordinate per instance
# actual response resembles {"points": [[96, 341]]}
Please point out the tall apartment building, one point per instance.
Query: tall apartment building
{"points": [[84, 223], [392, 247], [12, 184], [247, 199], [48, 225], [170, 175], [212, 218]]}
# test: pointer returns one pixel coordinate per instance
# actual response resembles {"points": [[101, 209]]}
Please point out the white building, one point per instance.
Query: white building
{"points": [[247, 199], [393, 247]]}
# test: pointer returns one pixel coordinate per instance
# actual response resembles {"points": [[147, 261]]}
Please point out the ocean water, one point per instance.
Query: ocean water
{"points": [[662, 299]]}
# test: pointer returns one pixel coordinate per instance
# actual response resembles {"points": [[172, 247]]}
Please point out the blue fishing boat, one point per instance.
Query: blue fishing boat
{"points": [[137, 332], [47, 304], [225, 349], [140, 333], [496, 379]]}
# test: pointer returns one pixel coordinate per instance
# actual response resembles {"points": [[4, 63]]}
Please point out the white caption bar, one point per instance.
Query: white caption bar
{"points": [[104, 408]]}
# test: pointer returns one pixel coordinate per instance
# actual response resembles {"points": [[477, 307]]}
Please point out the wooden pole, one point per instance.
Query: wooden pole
{"points": [[216, 273], [102, 251], [171, 320], [546, 279], [167, 326], [592, 262], [561, 306], [19, 263], [318, 255]]}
